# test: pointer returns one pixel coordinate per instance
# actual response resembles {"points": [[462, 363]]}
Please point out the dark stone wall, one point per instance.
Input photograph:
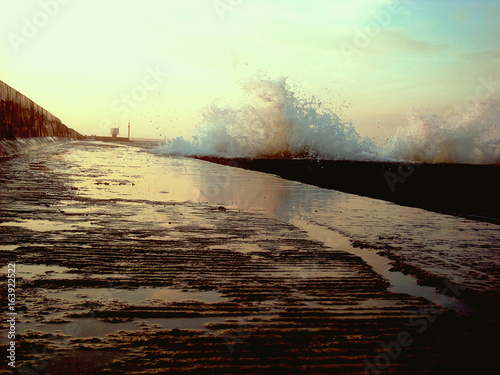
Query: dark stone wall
{"points": [[20, 117], [459, 189]]}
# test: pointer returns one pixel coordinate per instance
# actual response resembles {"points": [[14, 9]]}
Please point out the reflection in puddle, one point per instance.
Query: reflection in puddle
{"points": [[33, 271], [8, 247], [138, 296], [47, 225], [400, 283]]}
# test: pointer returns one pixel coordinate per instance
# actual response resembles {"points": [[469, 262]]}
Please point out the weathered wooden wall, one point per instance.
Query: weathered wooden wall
{"points": [[20, 117]]}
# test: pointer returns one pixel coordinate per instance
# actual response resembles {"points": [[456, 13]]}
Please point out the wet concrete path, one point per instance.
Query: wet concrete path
{"points": [[116, 280]]}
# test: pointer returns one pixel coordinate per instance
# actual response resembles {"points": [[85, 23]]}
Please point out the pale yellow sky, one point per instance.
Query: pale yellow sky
{"points": [[156, 64]]}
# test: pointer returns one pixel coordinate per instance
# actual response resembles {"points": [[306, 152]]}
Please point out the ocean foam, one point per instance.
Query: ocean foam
{"points": [[281, 125], [471, 137]]}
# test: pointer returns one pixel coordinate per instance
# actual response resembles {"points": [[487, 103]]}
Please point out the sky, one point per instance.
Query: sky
{"points": [[157, 64]]}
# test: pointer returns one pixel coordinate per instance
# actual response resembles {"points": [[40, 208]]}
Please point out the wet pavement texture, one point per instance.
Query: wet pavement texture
{"points": [[123, 284]]}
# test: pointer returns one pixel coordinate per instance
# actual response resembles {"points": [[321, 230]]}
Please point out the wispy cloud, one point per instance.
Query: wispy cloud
{"points": [[486, 57], [393, 40]]}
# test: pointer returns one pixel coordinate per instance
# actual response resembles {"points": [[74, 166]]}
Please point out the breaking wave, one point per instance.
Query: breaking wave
{"points": [[471, 137], [282, 125]]}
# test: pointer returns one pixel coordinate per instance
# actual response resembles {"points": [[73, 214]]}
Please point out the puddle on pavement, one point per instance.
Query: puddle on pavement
{"points": [[33, 271], [137, 296], [399, 282], [47, 225], [69, 210], [312, 272], [240, 247], [81, 328], [8, 247], [325, 304]]}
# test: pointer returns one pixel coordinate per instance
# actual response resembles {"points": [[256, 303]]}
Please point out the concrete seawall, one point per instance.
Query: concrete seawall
{"points": [[20, 117], [458, 189]]}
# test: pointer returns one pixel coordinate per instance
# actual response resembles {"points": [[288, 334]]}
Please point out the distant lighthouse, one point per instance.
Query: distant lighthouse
{"points": [[129, 131], [114, 133]]}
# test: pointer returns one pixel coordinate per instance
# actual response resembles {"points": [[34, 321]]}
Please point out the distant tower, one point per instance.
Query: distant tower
{"points": [[129, 131], [114, 132]]}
